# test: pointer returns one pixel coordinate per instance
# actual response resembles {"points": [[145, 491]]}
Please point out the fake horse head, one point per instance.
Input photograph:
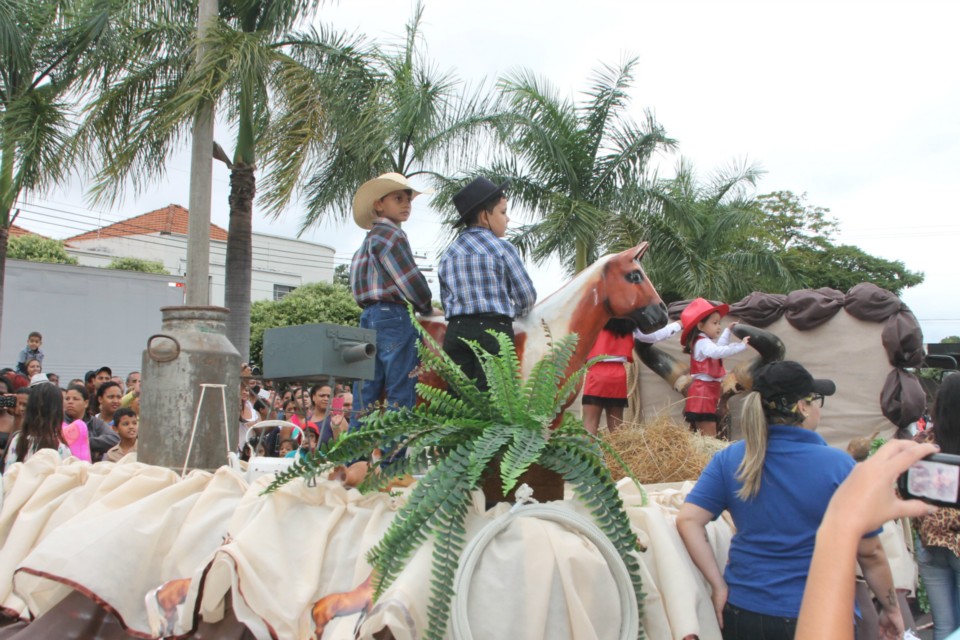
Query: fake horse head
{"points": [[614, 286], [629, 292]]}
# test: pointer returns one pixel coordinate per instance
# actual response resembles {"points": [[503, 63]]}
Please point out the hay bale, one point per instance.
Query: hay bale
{"points": [[661, 450]]}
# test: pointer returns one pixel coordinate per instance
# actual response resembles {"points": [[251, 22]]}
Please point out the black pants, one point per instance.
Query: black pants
{"points": [[740, 624], [474, 328]]}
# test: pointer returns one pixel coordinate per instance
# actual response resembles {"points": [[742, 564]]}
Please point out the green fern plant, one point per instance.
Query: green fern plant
{"points": [[452, 439]]}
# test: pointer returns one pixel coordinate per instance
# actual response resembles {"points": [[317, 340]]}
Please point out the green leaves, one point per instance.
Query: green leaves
{"points": [[38, 249], [575, 162], [137, 264]]}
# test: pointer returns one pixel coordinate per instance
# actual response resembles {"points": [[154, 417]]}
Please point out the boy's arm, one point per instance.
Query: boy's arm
{"points": [[519, 283], [399, 264]]}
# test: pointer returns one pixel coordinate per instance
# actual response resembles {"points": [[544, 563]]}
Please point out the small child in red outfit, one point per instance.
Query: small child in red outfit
{"points": [[605, 387], [708, 343]]}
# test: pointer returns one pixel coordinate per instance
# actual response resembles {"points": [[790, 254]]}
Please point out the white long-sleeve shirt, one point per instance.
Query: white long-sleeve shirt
{"points": [[722, 348]]}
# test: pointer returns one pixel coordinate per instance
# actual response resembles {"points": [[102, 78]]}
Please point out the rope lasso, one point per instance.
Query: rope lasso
{"points": [[526, 506]]}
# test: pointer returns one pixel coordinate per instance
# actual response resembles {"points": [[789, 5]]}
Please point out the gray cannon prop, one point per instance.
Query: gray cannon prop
{"points": [[312, 353]]}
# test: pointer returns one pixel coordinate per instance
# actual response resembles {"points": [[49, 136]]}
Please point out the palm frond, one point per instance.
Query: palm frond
{"points": [[37, 126]]}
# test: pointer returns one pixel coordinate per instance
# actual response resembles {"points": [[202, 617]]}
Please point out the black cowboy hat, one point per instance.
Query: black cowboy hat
{"points": [[478, 191]]}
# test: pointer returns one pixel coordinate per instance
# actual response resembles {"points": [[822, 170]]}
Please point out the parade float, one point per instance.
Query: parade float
{"points": [[136, 550]]}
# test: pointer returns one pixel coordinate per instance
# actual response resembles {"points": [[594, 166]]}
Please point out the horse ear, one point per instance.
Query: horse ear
{"points": [[640, 250]]}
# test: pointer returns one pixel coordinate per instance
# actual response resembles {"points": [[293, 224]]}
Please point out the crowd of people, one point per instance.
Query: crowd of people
{"points": [[315, 415], [92, 419]]}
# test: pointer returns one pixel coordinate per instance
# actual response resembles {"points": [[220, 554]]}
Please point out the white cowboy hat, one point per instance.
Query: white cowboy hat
{"points": [[372, 190]]}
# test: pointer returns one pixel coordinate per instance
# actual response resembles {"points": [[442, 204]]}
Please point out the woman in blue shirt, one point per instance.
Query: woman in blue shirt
{"points": [[776, 484]]}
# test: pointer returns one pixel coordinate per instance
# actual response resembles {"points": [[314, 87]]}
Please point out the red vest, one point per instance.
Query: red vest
{"points": [[610, 344], [713, 367]]}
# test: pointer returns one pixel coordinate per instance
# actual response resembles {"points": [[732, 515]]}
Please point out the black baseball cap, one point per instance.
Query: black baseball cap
{"points": [[788, 381], [104, 368]]}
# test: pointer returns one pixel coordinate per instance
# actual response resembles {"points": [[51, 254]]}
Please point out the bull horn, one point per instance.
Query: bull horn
{"points": [[769, 347], [660, 362]]}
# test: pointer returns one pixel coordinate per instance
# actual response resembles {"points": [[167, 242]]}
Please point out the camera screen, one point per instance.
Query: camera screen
{"points": [[934, 480]]}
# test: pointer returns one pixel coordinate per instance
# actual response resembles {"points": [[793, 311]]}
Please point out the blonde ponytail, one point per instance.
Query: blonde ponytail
{"points": [[753, 424]]}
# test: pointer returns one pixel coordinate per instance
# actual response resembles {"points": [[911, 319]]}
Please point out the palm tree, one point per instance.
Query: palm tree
{"points": [[51, 52], [703, 237], [413, 120], [573, 162], [258, 62]]}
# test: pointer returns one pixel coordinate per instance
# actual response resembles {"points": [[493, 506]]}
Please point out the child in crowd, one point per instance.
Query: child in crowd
{"points": [[605, 386], [126, 425], [287, 447], [483, 283], [30, 352], [313, 437], [384, 279], [707, 342]]}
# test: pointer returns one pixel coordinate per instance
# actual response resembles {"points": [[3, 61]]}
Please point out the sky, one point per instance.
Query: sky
{"points": [[856, 104]]}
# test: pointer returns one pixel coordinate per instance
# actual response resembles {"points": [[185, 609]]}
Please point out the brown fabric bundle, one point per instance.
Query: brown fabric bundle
{"points": [[903, 340], [902, 399], [867, 301], [674, 309], [810, 308], [760, 309]]}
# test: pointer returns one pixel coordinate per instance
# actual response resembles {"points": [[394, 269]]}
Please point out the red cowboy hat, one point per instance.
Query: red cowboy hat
{"points": [[696, 312]]}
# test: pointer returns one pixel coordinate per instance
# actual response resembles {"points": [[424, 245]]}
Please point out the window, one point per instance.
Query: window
{"points": [[280, 291]]}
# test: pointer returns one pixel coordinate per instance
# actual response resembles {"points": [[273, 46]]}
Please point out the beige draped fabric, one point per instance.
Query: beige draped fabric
{"points": [[846, 350], [163, 555]]}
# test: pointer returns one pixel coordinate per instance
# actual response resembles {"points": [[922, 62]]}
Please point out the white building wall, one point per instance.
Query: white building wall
{"points": [[276, 261], [88, 317]]}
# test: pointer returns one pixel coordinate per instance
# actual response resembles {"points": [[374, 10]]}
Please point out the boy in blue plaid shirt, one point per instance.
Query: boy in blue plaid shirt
{"points": [[483, 283], [384, 277]]}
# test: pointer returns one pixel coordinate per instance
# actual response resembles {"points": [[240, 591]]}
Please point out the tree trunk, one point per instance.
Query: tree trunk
{"points": [[6, 204], [580, 259], [4, 237], [239, 261]]}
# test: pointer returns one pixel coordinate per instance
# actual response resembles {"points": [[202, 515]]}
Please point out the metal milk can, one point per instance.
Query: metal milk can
{"points": [[191, 350]]}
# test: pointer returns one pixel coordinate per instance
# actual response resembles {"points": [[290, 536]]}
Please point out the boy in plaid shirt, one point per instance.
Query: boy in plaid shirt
{"points": [[384, 278], [483, 283]]}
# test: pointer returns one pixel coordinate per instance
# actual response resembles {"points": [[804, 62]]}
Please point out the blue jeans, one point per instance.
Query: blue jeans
{"points": [[396, 358], [940, 570]]}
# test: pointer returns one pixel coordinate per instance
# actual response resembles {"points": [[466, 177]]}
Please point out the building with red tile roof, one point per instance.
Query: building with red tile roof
{"points": [[171, 219], [280, 265]]}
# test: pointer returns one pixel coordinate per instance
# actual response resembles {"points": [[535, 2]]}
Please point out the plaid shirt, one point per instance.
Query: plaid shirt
{"points": [[383, 270], [481, 273]]}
